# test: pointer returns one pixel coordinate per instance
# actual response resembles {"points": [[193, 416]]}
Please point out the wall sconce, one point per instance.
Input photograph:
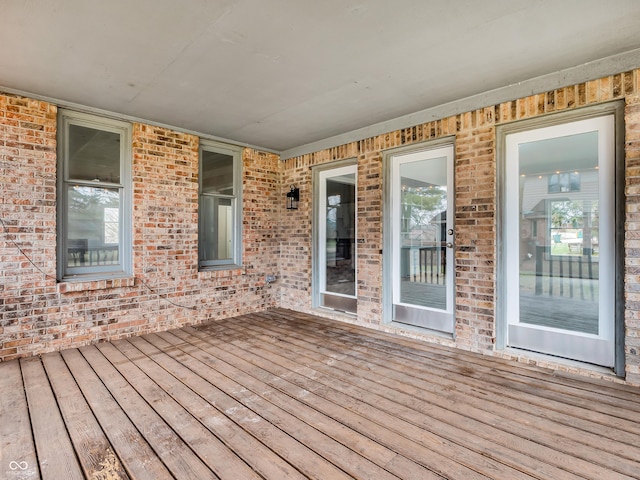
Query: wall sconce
{"points": [[293, 197]]}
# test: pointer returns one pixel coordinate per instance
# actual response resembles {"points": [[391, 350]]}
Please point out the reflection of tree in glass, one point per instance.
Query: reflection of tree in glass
{"points": [[567, 214], [87, 198], [333, 202], [572, 214], [420, 205], [595, 215]]}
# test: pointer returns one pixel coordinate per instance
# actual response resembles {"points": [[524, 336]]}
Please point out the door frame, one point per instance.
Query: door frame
{"points": [[317, 277], [388, 254], [616, 109]]}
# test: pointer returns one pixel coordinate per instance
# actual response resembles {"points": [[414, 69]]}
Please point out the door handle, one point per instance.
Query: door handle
{"points": [[449, 244]]}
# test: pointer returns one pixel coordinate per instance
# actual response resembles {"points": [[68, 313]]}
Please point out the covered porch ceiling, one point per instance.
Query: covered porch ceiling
{"points": [[296, 76]]}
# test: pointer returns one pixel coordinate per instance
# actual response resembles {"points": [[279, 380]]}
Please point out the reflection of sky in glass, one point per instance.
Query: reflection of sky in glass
{"points": [[82, 197], [111, 225]]}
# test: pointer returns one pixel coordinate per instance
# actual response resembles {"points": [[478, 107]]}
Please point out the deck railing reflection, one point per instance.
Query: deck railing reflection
{"points": [[432, 264], [565, 275]]}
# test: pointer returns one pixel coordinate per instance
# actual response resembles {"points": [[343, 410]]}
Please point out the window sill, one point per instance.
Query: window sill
{"points": [[222, 271], [83, 284]]}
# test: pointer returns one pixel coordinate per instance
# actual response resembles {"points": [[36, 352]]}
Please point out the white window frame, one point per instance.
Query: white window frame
{"points": [[125, 266], [236, 205]]}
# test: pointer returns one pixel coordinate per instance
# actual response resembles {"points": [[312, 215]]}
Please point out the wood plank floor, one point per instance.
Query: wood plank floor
{"points": [[281, 395]]}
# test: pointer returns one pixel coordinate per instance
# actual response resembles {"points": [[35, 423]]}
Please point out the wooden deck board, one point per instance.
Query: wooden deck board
{"points": [[188, 369], [135, 454], [89, 441], [488, 371], [428, 401], [484, 369], [56, 456], [211, 451], [329, 418], [285, 395], [253, 452], [339, 455], [181, 461], [316, 393], [468, 388], [17, 452]]}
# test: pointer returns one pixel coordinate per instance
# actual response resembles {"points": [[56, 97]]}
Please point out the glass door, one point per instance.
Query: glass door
{"points": [[336, 227], [422, 235], [560, 240]]}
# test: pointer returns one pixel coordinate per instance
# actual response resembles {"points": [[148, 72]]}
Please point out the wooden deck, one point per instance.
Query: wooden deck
{"points": [[281, 395]]}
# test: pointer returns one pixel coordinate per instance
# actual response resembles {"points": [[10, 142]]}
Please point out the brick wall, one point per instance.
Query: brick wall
{"points": [[476, 232], [294, 238], [475, 184], [37, 314], [632, 238], [28, 201], [369, 232]]}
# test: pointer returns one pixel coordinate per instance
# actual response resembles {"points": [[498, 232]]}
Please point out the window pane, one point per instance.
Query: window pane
{"points": [[559, 233], [422, 223], [341, 231], [216, 228], [217, 173], [93, 235], [111, 225], [93, 154]]}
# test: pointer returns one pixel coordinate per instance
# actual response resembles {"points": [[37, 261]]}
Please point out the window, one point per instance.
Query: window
{"points": [[219, 206], [94, 188], [564, 182]]}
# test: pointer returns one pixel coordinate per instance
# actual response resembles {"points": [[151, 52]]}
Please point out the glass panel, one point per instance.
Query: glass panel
{"points": [[559, 222], [340, 235], [93, 236], [216, 228], [93, 154], [423, 224], [217, 173]]}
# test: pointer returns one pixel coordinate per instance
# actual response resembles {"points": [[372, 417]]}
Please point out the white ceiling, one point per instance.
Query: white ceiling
{"points": [[281, 74]]}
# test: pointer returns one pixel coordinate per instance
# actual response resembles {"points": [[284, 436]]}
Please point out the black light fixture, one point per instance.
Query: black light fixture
{"points": [[293, 197]]}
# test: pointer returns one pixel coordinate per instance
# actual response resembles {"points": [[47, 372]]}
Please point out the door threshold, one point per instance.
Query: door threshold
{"points": [[323, 309], [557, 363], [424, 331]]}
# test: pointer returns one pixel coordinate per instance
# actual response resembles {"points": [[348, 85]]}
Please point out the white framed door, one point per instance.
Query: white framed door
{"points": [[336, 244], [420, 231], [559, 240]]}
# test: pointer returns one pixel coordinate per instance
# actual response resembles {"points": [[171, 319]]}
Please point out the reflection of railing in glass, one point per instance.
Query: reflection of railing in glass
{"points": [[79, 254], [432, 264], [565, 275]]}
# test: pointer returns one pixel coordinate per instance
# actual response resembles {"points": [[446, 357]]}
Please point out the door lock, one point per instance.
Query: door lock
{"points": [[450, 231]]}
